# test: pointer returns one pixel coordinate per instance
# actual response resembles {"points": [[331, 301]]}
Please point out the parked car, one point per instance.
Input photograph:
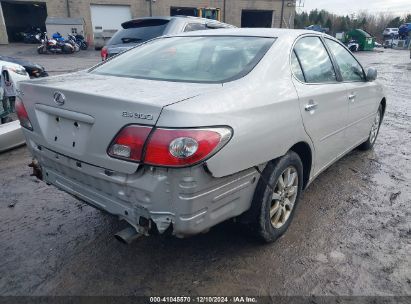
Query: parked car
{"points": [[317, 28], [378, 45], [137, 31], [33, 69], [353, 46], [10, 76], [391, 31], [187, 131], [11, 135]]}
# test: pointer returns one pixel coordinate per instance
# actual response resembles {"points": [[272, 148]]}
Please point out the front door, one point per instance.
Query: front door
{"points": [[361, 95]]}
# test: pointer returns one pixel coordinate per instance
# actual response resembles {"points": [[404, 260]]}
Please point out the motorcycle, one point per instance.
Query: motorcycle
{"points": [[81, 42], [54, 46], [57, 36], [72, 40], [32, 35]]}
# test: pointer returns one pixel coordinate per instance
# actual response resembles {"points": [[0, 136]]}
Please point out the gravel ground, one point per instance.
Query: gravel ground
{"points": [[351, 234], [54, 63]]}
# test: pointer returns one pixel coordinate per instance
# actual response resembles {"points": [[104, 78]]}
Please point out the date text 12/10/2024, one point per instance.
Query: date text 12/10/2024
{"points": [[199, 299]]}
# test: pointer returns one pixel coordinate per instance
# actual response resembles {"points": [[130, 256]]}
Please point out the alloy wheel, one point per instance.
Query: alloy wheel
{"points": [[375, 127], [284, 197]]}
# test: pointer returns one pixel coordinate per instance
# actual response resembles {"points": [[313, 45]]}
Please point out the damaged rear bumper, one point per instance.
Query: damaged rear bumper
{"points": [[187, 201]]}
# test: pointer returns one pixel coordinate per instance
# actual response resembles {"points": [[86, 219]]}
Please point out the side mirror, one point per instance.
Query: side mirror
{"points": [[372, 74]]}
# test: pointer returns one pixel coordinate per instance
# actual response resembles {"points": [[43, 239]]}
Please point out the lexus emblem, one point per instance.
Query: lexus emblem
{"points": [[59, 98]]}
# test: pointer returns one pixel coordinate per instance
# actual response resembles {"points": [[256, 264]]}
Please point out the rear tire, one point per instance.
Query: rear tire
{"points": [[375, 130], [67, 50], [274, 205]]}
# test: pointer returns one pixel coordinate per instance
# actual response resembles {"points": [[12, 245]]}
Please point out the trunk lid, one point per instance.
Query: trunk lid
{"points": [[78, 115]]}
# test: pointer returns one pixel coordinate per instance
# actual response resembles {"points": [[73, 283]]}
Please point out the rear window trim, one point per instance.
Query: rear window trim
{"points": [[166, 24], [137, 21], [244, 73]]}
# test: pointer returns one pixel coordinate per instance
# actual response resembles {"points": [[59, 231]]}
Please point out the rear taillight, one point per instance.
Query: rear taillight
{"points": [[184, 147], [129, 143], [104, 53], [22, 115], [168, 147]]}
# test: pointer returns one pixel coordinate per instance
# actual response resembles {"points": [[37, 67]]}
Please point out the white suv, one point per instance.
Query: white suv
{"points": [[391, 31]]}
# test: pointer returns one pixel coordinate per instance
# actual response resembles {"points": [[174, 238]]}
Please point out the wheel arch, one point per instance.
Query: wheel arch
{"points": [[303, 150], [383, 103]]}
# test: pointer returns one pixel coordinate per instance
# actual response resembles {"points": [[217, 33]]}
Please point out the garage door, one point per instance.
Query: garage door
{"points": [[109, 17]]}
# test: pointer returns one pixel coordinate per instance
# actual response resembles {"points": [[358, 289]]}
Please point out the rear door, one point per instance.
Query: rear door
{"points": [[361, 96], [323, 100]]}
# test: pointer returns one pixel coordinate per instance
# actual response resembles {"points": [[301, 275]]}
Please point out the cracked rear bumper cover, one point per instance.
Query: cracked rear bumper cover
{"points": [[189, 199]]}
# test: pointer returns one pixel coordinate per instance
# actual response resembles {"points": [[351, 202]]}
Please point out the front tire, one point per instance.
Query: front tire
{"points": [[84, 46], [41, 49], [375, 129], [276, 202]]}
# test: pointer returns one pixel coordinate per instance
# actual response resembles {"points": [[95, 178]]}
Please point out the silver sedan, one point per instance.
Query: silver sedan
{"points": [[184, 132]]}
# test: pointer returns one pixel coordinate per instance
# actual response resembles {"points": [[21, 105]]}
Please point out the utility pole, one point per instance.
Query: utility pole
{"points": [[224, 8], [68, 8], [282, 13], [151, 8]]}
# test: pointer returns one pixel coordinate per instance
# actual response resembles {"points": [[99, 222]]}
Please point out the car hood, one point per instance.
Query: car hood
{"points": [[10, 64], [22, 62]]}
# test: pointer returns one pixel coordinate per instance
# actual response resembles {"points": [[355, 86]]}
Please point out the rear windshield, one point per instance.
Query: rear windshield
{"points": [[138, 31], [208, 59]]}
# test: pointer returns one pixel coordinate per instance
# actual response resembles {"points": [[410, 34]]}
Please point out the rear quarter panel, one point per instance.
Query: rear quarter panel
{"points": [[262, 109]]}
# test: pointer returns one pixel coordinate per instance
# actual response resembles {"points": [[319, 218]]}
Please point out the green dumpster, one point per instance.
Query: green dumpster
{"points": [[364, 39]]}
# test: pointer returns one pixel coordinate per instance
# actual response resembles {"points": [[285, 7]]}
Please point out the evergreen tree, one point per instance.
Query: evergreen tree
{"points": [[396, 22], [329, 25]]}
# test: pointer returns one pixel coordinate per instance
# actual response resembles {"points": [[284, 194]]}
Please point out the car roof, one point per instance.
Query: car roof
{"points": [[254, 32], [177, 17]]}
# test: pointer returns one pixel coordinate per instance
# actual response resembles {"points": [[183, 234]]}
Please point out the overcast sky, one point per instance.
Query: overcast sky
{"points": [[344, 7]]}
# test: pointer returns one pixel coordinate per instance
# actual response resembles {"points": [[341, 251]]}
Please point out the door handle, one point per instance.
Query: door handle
{"points": [[352, 97], [311, 107]]}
